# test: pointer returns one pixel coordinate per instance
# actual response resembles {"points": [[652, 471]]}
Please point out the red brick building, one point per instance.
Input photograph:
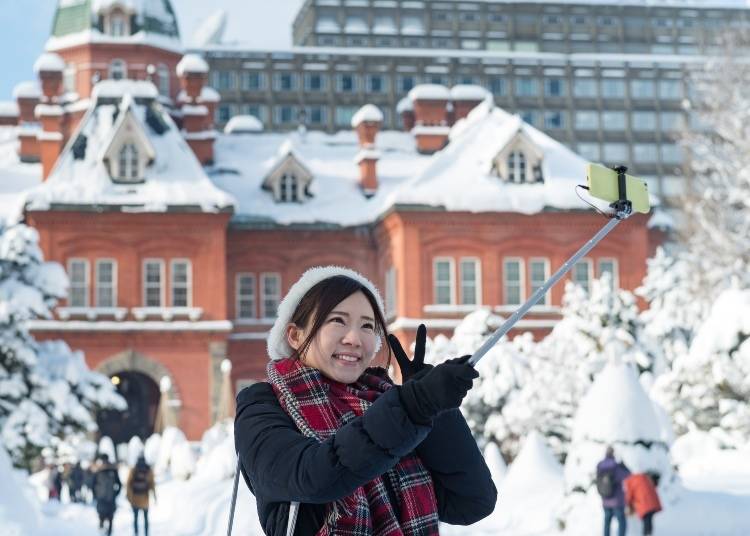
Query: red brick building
{"points": [[179, 241]]}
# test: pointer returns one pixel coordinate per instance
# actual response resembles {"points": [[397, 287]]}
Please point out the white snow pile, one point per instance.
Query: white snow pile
{"points": [[243, 124], [616, 411], [369, 113], [468, 92], [27, 90], [49, 62], [192, 63], [19, 509], [429, 92]]}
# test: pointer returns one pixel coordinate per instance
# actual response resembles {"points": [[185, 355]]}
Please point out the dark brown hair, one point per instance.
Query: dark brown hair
{"points": [[322, 298]]}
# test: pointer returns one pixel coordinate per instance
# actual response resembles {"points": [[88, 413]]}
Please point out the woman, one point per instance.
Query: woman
{"points": [[361, 455]]}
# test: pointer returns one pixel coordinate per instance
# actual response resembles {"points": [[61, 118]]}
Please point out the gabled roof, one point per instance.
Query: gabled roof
{"points": [[287, 156], [127, 118], [175, 180]]}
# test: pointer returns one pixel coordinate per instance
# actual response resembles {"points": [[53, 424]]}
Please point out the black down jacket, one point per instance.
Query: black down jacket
{"points": [[280, 465]]}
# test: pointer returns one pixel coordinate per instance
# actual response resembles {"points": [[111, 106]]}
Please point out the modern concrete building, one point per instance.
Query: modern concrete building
{"points": [[605, 79]]}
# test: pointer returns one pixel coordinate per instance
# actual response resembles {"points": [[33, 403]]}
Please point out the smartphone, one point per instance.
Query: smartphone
{"points": [[603, 184]]}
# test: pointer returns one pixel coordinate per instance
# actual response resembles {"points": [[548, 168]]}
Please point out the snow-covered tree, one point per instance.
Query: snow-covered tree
{"points": [[525, 385], [46, 391]]}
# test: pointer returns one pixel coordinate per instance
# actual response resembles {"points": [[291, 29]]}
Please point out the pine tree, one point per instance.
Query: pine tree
{"points": [[46, 390]]}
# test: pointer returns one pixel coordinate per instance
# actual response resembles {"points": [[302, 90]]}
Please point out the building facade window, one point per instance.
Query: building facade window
{"points": [[497, 86], [470, 274], [285, 82], [587, 120], [443, 281], [253, 81], [615, 153], [643, 121], [69, 78], [670, 89], [590, 151], [376, 83], [270, 294], [315, 82], [245, 296], [317, 115], [538, 275], [513, 281], [582, 273], [118, 69], [78, 274], [517, 167], [554, 87], [344, 115], [347, 83], [613, 121], [585, 88], [181, 279], [554, 119], [288, 188], [406, 83], [106, 283], [153, 282], [285, 114], [642, 89], [128, 163], [613, 88], [609, 266], [526, 87], [163, 80]]}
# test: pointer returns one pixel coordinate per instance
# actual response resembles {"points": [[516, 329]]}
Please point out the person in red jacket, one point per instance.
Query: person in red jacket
{"points": [[641, 497]]}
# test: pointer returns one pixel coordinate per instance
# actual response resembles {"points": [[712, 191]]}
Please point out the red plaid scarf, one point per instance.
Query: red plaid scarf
{"points": [[320, 406]]}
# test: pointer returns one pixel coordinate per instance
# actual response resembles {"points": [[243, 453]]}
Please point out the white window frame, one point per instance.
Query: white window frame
{"points": [[188, 284], [163, 80], [615, 270], [477, 280], [118, 65], [98, 285], [289, 188], [145, 285], [545, 299], [451, 282], [590, 264], [521, 280], [263, 295], [238, 297], [519, 170], [86, 282], [391, 292], [130, 171]]}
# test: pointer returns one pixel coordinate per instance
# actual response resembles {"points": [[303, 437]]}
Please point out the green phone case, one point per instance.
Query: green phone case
{"points": [[602, 184]]}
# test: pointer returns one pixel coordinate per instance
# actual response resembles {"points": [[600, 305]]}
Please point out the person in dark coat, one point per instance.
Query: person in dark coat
{"points": [[613, 503], [106, 487], [359, 454], [642, 498], [139, 486], [75, 482]]}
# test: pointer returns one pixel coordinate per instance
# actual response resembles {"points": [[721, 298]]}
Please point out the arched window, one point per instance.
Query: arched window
{"points": [[118, 70], [128, 162], [162, 79], [117, 23], [288, 190], [517, 167]]}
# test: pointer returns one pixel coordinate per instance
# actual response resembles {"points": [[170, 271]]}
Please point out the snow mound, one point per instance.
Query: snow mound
{"points": [[429, 92], [19, 511], [49, 62], [192, 63], [368, 112], [27, 90], [468, 92], [243, 124]]}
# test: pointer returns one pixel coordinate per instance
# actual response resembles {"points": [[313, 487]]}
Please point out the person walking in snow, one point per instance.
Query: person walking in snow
{"points": [[138, 486], [106, 487], [610, 475], [642, 498], [75, 482], [329, 431], [53, 477]]}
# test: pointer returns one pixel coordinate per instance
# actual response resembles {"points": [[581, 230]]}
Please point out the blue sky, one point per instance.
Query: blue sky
{"points": [[25, 26]]}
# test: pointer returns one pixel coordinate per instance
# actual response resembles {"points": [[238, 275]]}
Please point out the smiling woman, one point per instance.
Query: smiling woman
{"points": [[356, 453]]}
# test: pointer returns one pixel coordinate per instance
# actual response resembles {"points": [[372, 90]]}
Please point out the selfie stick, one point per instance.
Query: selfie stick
{"points": [[623, 209]]}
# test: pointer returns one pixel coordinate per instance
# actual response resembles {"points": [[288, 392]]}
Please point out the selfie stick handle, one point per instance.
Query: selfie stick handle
{"points": [[564, 269]]}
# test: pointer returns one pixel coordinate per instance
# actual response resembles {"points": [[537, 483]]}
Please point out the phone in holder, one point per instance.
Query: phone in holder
{"points": [[603, 184]]}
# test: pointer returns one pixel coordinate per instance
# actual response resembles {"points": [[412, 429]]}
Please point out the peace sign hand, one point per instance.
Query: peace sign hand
{"points": [[411, 367]]}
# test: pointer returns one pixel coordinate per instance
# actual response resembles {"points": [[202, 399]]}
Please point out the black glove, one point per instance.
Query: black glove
{"points": [[440, 389], [410, 368]]}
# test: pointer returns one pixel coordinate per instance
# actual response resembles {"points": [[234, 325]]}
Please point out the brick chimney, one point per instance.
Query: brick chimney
{"points": [[367, 122], [430, 115], [197, 117], [405, 108], [49, 67], [27, 95], [465, 98]]}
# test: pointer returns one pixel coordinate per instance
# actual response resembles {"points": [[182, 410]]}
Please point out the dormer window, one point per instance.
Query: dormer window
{"points": [[517, 167], [288, 178], [520, 161], [117, 23], [128, 163], [288, 188]]}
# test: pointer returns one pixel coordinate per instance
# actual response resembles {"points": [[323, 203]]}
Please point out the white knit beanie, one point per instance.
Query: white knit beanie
{"points": [[277, 345]]}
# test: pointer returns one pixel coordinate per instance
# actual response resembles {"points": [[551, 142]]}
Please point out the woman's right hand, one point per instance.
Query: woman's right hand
{"points": [[440, 389]]}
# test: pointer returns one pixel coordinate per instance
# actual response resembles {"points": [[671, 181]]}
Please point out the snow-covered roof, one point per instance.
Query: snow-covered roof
{"points": [[405, 105], [8, 109], [16, 176], [192, 63], [368, 112], [243, 124], [459, 176], [27, 90], [50, 62], [174, 179], [469, 92], [117, 89], [429, 92]]}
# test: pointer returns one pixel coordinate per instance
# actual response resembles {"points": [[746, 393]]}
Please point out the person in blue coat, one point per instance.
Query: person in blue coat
{"points": [[359, 454]]}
